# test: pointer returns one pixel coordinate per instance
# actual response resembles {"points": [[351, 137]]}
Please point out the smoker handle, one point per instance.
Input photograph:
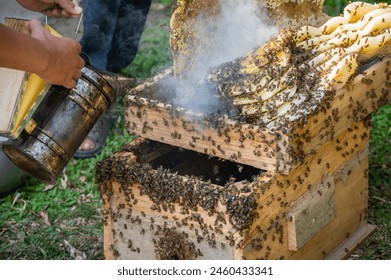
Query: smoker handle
{"points": [[86, 59]]}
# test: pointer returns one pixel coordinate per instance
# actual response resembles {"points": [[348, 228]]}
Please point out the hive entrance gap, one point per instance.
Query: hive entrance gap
{"points": [[190, 163]]}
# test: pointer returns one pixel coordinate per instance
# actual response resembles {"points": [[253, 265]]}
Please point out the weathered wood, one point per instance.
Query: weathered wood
{"points": [[17, 24], [108, 223], [156, 153], [366, 94], [159, 125], [351, 184], [310, 213], [275, 150], [107, 234], [142, 233], [154, 227], [350, 245]]}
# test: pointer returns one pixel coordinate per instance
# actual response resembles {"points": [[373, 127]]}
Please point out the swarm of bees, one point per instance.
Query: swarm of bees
{"points": [[294, 75], [164, 187], [174, 245]]}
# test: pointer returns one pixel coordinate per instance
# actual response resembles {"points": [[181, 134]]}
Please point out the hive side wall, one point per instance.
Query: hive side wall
{"points": [[356, 102], [347, 167], [107, 223], [151, 234]]}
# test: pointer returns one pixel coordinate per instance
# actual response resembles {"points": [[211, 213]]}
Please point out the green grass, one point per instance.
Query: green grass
{"points": [[73, 205], [379, 213], [335, 7]]}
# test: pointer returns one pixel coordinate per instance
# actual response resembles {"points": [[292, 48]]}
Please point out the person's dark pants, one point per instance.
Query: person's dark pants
{"points": [[112, 31]]}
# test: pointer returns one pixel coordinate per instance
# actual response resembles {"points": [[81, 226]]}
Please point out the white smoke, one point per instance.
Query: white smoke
{"points": [[239, 30]]}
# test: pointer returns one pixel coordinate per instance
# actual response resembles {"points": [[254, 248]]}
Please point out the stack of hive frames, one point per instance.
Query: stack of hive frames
{"points": [[330, 174]]}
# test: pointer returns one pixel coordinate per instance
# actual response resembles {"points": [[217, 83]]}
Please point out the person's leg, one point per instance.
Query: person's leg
{"points": [[131, 18], [99, 22], [126, 33]]}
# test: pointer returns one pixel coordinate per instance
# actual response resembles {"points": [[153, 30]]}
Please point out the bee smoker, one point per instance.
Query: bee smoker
{"points": [[62, 121]]}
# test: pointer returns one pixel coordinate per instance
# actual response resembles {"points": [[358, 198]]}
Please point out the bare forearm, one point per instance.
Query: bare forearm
{"points": [[21, 51], [56, 60]]}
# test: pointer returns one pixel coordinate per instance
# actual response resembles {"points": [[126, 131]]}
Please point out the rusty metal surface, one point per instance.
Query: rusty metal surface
{"points": [[64, 119]]}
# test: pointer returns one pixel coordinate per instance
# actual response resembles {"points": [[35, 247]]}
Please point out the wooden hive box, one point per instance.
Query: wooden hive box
{"points": [[198, 189], [280, 150], [163, 202]]}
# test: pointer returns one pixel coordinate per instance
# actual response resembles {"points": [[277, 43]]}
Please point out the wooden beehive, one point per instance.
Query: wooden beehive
{"points": [[229, 190], [279, 150], [163, 202]]}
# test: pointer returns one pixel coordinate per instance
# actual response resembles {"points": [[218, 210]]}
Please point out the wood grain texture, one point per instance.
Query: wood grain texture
{"points": [[279, 150], [310, 213]]}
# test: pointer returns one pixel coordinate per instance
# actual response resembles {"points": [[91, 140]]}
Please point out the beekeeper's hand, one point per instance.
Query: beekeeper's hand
{"points": [[61, 63], [57, 8]]}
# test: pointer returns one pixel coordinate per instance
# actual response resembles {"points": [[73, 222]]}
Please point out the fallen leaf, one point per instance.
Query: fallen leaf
{"points": [[45, 217], [64, 181], [73, 208], [80, 222], [82, 178], [48, 188], [16, 198], [76, 254]]}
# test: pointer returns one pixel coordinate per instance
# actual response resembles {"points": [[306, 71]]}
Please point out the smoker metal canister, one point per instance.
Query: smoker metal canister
{"points": [[63, 120]]}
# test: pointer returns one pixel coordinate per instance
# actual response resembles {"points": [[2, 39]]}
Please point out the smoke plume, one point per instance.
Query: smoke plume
{"points": [[240, 28]]}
